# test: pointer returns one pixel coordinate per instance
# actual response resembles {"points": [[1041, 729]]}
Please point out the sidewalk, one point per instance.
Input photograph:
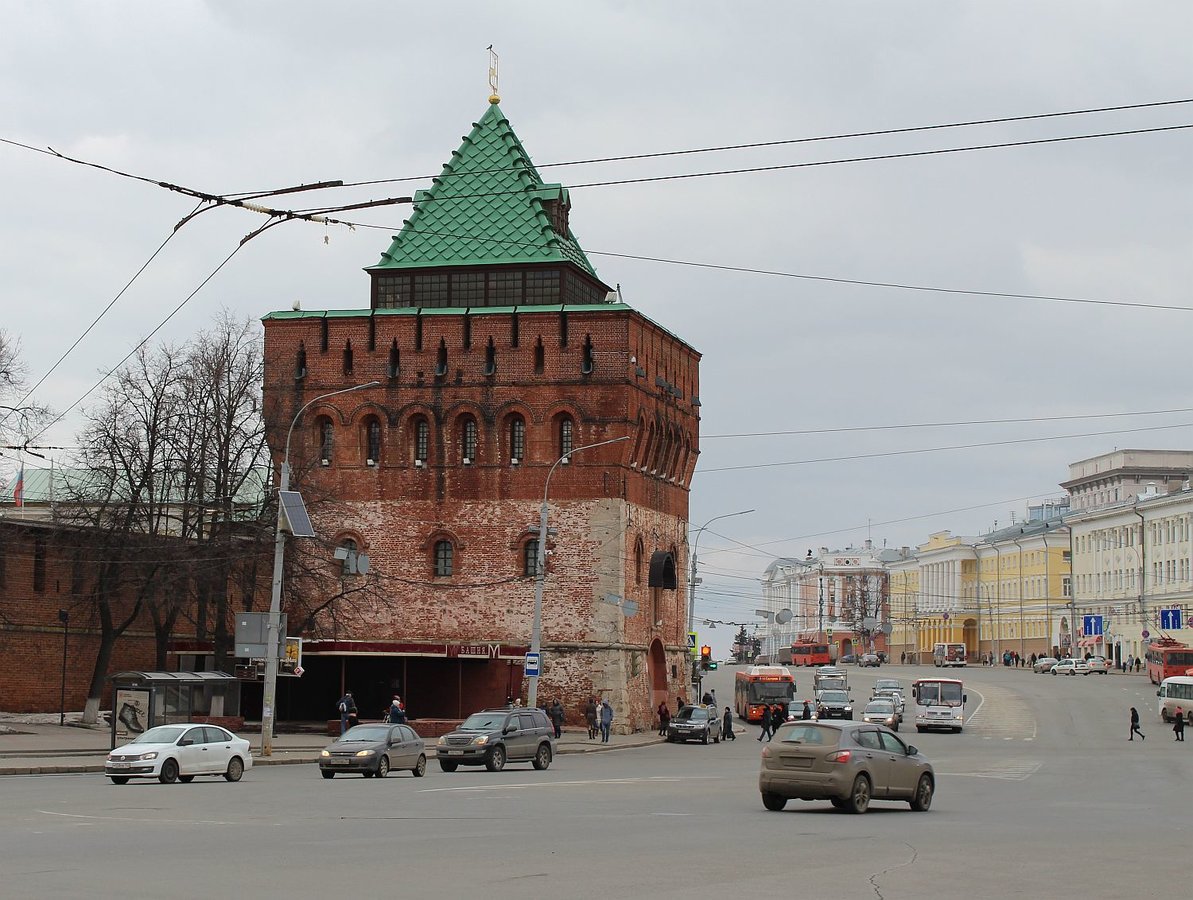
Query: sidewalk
{"points": [[58, 750]]}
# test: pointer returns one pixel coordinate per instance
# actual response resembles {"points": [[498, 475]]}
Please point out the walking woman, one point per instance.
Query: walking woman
{"points": [[1135, 725], [727, 728], [664, 718], [765, 723]]}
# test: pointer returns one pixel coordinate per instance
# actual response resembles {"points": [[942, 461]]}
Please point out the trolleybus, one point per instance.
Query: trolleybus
{"points": [[809, 653]]}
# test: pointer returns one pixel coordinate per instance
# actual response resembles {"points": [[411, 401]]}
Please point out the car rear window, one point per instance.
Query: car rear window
{"points": [[807, 733]]}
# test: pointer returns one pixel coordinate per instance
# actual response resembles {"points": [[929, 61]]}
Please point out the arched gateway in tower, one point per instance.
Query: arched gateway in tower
{"points": [[498, 351]]}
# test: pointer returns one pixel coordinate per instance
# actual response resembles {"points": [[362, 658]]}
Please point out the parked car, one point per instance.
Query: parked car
{"points": [[172, 753], [846, 659], [493, 736], [847, 763], [375, 750], [869, 659], [1070, 667], [700, 722], [883, 712], [1044, 664], [1099, 664], [833, 704]]}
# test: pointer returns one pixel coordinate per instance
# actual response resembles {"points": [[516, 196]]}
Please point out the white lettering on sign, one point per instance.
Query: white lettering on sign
{"points": [[477, 651]]}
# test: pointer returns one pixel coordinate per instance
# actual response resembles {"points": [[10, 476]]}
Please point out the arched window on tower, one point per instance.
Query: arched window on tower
{"points": [[372, 441], [517, 439], [422, 441], [326, 433], [468, 440], [567, 430], [444, 562], [530, 558]]}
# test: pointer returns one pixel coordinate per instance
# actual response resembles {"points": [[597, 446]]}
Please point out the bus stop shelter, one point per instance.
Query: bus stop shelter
{"points": [[142, 700]]}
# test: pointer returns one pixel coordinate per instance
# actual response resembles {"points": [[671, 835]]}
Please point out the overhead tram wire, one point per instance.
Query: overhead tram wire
{"points": [[792, 141]]}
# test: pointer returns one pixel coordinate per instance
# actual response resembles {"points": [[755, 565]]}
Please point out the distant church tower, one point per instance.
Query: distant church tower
{"points": [[498, 351]]}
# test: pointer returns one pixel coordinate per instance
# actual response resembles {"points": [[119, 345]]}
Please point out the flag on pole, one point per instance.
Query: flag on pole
{"points": [[18, 489]]}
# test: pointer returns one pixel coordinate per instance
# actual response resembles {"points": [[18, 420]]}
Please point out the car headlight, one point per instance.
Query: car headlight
{"points": [[152, 755], [849, 709], [480, 739], [442, 740], [365, 752], [325, 753]]}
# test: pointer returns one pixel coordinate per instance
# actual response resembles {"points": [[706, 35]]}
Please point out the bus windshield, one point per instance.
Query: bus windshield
{"points": [[939, 693], [771, 691]]}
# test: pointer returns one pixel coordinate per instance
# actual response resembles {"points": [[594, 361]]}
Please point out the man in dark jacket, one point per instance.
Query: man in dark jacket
{"points": [[347, 710], [727, 727], [556, 714], [765, 723]]}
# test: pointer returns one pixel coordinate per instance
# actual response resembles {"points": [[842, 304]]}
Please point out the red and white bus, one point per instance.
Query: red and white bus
{"points": [[1165, 658], [759, 686], [809, 653], [948, 655]]}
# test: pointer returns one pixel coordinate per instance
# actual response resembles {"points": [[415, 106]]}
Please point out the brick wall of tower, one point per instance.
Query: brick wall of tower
{"points": [[610, 508]]}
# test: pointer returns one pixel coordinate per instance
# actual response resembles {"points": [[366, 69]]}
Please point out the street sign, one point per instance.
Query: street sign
{"points": [[1146, 634], [532, 664], [692, 642], [298, 670], [1170, 619], [1091, 625]]}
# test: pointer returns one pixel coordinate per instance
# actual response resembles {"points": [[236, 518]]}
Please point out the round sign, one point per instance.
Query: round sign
{"points": [[1146, 634], [298, 670], [945, 617]]}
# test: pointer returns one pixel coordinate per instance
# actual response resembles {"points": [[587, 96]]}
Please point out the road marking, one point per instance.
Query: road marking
{"points": [[1006, 716], [47, 812], [1009, 770], [545, 784]]}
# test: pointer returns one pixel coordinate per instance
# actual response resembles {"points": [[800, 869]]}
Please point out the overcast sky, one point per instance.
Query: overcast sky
{"points": [[238, 96]]}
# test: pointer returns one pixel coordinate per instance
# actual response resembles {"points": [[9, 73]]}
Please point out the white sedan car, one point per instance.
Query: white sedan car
{"points": [[172, 753], [1071, 667]]}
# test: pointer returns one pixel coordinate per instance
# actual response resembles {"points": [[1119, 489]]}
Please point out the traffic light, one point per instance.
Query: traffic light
{"points": [[706, 657]]}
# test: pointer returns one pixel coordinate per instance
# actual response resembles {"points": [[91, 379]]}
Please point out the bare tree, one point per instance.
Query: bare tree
{"points": [[18, 416]]}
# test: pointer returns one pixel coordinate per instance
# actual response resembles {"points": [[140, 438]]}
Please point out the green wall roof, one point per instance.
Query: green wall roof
{"points": [[485, 209]]}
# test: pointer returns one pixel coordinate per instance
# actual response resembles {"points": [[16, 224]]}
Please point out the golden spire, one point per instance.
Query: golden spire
{"points": [[494, 97]]}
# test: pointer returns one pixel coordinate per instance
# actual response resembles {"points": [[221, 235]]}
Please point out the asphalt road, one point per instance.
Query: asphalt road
{"points": [[1041, 795]]}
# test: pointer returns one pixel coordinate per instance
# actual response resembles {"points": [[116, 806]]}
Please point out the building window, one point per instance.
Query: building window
{"points": [[348, 358], [586, 356], [443, 559], [441, 359], [326, 438], [418, 333], [514, 330], [300, 364], [468, 440], [422, 440], [468, 289], [373, 440], [639, 551], [372, 334], [530, 558], [394, 366], [324, 336], [563, 329], [39, 563], [490, 359], [517, 439], [539, 357], [566, 442], [348, 556]]}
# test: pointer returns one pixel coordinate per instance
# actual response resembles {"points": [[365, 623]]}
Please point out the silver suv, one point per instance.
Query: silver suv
{"points": [[492, 737]]}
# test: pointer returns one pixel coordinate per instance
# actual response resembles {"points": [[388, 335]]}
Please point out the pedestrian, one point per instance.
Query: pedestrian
{"points": [[678, 705], [397, 712], [664, 719], [765, 723], [347, 709], [807, 713], [1135, 725], [1137, 664], [706, 699], [590, 717], [777, 717], [727, 726], [1178, 725], [902, 660], [606, 720], [556, 714]]}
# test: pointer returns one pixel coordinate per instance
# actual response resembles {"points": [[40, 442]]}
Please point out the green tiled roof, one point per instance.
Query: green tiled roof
{"points": [[485, 209]]}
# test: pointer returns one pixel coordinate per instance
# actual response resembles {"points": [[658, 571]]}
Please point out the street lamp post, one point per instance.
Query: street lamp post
{"points": [[275, 598], [692, 576], [540, 570]]}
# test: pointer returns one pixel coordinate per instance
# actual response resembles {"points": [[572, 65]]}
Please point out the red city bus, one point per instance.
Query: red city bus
{"points": [[809, 653], [1166, 658], [760, 686]]}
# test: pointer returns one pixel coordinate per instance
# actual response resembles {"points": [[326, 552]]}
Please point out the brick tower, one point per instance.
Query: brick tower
{"points": [[498, 351]]}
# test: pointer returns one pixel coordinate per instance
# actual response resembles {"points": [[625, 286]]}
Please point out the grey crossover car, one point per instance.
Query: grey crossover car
{"points": [[699, 722], [492, 737], [847, 763], [375, 750]]}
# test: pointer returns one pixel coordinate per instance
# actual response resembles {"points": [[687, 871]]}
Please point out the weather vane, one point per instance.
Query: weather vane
{"points": [[494, 97]]}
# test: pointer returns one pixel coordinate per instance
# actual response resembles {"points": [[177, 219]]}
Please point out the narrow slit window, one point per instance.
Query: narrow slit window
{"points": [[514, 330], [441, 359], [563, 329], [586, 356], [468, 440], [348, 358], [468, 332], [372, 334], [540, 357], [326, 438], [422, 440], [490, 359], [517, 439], [566, 436], [374, 442], [323, 335], [300, 363], [418, 332], [394, 366]]}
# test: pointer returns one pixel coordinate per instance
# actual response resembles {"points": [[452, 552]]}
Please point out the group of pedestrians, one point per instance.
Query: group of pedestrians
{"points": [[774, 716], [1178, 725], [599, 718]]}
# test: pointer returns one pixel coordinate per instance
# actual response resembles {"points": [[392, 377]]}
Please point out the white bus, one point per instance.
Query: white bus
{"points": [[939, 703], [1176, 691], [948, 655]]}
